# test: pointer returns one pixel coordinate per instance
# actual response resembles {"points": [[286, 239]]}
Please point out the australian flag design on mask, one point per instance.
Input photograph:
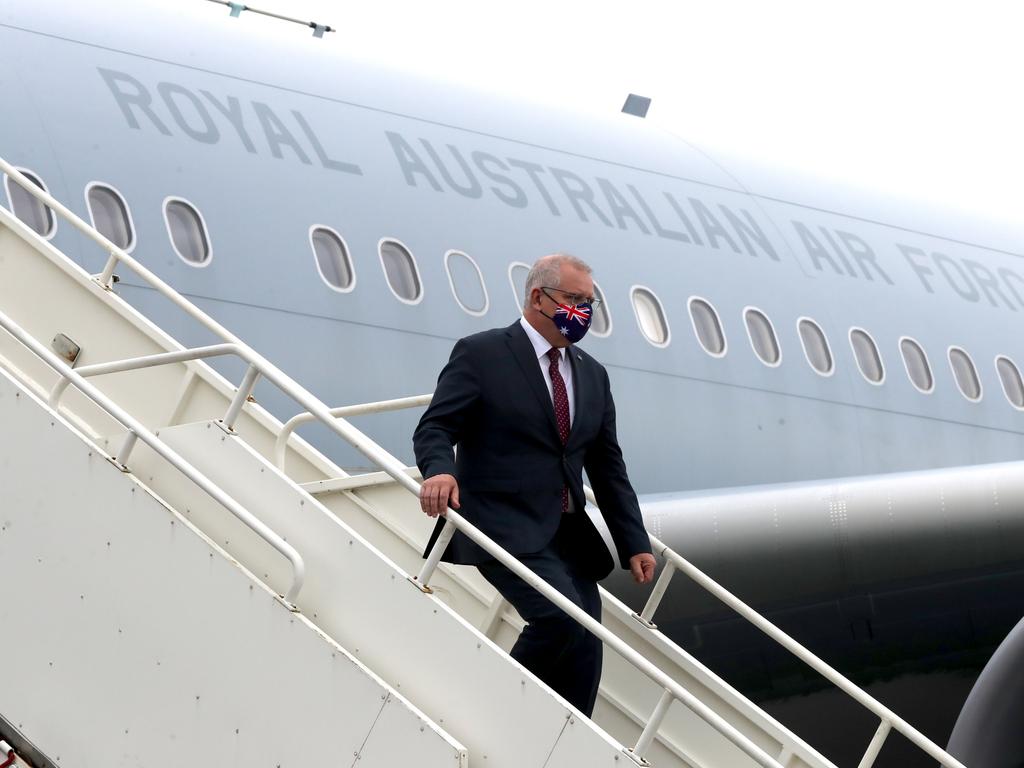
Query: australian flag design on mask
{"points": [[573, 320]]}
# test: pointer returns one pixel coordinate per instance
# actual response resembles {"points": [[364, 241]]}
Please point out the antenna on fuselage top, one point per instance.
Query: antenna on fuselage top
{"points": [[237, 8]]}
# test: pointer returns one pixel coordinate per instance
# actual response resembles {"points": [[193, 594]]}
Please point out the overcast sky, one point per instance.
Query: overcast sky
{"points": [[923, 99]]}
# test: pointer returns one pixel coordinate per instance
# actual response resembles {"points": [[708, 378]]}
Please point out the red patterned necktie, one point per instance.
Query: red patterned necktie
{"points": [[561, 402]]}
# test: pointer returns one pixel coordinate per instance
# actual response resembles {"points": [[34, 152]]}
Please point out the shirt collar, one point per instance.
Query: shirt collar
{"points": [[540, 344]]}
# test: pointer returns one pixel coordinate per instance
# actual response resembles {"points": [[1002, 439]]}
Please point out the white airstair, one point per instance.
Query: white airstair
{"points": [[186, 581]]}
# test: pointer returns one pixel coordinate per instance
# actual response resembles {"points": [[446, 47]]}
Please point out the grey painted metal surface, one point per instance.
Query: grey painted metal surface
{"points": [[843, 259], [848, 532]]}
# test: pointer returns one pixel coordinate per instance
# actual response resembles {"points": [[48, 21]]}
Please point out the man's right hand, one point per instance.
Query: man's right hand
{"points": [[436, 493]]}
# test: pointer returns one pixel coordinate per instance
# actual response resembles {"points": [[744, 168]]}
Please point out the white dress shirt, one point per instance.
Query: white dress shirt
{"points": [[541, 347]]}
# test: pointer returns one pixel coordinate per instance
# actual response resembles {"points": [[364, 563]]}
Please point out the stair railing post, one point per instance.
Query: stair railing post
{"points": [[876, 745], [422, 580], [108, 270], [244, 390], [653, 724], [121, 459], [646, 616], [57, 392]]}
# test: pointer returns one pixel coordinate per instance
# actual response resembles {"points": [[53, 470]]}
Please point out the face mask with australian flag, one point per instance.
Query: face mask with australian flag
{"points": [[572, 320]]}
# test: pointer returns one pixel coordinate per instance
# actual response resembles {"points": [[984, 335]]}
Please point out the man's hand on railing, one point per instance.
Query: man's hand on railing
{"points": [[642, 566], [436, 492]]}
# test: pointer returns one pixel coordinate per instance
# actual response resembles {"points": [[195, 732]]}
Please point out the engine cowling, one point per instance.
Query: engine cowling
{"points": [[988, 732]]}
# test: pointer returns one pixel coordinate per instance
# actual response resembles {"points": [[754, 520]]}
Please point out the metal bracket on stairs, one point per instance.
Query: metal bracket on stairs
{"points": [[27, 752]]}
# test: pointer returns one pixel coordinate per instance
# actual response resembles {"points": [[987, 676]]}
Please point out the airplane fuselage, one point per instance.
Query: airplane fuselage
{"points": [[265, 151]]}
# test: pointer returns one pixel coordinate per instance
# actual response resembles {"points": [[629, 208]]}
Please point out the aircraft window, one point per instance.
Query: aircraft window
{"points": [[187, 231], [1013, 386], [916, 362], [965, 373], [815, 345], [601, 325], [866, 352], [401, 271], [707, 327], [332, 259], [467, 282], [650, 317], [517, 274], [36, 216], [762, 336], [109, 213]]}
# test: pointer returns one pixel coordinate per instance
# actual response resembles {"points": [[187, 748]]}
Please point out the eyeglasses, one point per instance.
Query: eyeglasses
{"points": [[573, 298]]}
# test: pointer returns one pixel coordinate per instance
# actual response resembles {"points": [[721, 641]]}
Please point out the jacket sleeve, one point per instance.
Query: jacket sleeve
{"points": [[615, 496], [441, 426]]}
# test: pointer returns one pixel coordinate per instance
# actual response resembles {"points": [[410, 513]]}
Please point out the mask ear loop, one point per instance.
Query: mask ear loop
{"points": [[560, 305]]}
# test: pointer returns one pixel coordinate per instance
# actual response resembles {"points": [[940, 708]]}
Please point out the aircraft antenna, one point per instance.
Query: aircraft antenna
{"points": [[237, 8]]}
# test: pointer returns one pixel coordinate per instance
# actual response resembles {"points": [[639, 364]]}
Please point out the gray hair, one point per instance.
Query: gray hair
{"points": [[547, 271]]}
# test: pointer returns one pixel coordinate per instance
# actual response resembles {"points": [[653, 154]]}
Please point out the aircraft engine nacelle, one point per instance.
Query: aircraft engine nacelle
{"points": [[988, 733]]}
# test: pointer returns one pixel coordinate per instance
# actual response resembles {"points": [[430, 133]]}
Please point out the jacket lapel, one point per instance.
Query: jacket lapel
{"points": [[523, 352], [580, 392]]}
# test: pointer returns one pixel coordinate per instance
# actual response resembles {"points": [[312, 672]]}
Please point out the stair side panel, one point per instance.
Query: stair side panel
{"points": [[133, 640]]}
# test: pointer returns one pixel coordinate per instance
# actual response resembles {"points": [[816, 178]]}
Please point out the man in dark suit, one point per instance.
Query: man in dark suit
{"points": [[529, 411]]}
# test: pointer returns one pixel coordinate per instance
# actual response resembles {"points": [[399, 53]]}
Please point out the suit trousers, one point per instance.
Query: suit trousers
{"points": [[552, 645]]}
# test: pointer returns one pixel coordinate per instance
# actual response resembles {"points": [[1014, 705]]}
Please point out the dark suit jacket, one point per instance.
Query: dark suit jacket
{"points": [[511, 466]]}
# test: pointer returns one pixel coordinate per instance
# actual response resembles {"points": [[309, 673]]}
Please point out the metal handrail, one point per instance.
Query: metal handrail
{"points": [[138, 363], [281, 444], [671, 687], [136, 430], [889, 719], [316, 410]]}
